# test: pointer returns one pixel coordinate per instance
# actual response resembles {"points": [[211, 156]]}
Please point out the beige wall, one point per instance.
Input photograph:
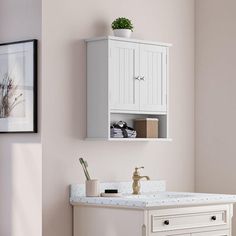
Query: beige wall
{"points": [[65, 25], [215, 96], [21, 154], [64, 106]]}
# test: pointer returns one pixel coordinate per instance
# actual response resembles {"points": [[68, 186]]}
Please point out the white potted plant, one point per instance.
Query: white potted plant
{"points": [[122, 27]]}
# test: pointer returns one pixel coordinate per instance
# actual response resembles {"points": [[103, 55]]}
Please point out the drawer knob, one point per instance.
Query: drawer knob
{"points": [[213, 218], [166, 222]]}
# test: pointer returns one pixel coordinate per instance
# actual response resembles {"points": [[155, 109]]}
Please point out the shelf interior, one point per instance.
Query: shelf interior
{"points": [[129, 119]]}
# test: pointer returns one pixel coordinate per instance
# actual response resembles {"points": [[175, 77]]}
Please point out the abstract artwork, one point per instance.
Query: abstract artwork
{"points": [[18, 87]]}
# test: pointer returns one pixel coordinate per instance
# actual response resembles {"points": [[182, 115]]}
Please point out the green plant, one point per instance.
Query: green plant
{"points": [[122, 23]]}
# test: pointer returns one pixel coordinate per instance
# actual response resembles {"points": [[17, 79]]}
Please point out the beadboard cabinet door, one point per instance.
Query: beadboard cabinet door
{"points": [[153, 78], [124, 76]]}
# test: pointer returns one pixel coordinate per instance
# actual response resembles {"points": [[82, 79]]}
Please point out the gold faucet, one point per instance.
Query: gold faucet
{"points": [[136, 180]]}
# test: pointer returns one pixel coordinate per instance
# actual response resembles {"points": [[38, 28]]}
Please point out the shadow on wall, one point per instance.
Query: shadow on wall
{"points": [[20, 183]]}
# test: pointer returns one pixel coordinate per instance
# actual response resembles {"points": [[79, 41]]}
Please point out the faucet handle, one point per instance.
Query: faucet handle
{"points": [[136, 170]]}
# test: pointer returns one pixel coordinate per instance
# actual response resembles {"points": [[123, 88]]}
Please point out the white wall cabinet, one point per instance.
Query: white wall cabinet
{"points": [[126, 77], [208, 220]]}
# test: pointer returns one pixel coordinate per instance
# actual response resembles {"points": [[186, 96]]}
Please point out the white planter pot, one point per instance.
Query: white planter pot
{"points": [[126, 33]]}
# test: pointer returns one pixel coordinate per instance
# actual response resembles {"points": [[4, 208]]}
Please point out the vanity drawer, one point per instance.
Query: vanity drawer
{"points": [[189, 218]]}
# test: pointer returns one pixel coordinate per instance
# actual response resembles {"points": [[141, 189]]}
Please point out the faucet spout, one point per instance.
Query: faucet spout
{"points": [[145, 177]]}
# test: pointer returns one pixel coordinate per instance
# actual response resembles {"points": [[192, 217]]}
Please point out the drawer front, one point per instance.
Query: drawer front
{"points": [[188, 218]]}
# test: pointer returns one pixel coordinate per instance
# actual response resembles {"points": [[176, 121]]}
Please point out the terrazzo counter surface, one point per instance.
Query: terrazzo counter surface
{"points": [[153, 196]]}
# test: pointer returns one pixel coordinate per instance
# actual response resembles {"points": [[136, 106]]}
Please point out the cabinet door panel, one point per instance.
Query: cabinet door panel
{"points": [[171, 233], [124, 72], [213, 233], [153, 74], [178, 234]]}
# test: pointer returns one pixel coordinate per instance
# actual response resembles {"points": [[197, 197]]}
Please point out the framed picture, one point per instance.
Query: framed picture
{"points": [[18, 87]]}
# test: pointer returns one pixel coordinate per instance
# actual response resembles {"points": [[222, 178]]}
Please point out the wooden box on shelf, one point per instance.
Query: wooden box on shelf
{"points": [[146, 128]]}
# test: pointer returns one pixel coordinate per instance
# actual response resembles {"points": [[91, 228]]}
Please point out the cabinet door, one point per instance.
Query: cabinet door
{"points": [[213, 233], [153, 78], [124, 76], [171, 234]]}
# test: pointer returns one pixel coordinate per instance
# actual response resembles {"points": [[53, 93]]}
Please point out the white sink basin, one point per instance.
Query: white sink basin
{"points": [[157, 196]]}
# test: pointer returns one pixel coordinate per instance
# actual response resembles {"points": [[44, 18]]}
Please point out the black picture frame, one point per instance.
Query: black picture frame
{"points": [[34, 126]]}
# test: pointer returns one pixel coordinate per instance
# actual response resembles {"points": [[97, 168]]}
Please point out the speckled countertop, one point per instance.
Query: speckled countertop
{"points": [[153, 195]]}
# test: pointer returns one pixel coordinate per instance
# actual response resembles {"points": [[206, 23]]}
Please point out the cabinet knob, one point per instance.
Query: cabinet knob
{"points": [[137, 77], [166, 222], [213, 218], [142, 78]]}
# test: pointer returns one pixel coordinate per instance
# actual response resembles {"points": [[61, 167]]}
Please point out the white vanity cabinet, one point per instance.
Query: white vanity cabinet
{"points": [[153, 213], [207, 220], [126, 79]]}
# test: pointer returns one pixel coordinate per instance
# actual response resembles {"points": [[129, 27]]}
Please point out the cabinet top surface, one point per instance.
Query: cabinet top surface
{"points": [[148, 200], [128, 40]]}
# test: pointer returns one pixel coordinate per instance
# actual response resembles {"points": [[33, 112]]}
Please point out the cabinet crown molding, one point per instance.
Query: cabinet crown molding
{"points": [[129, 40]]}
